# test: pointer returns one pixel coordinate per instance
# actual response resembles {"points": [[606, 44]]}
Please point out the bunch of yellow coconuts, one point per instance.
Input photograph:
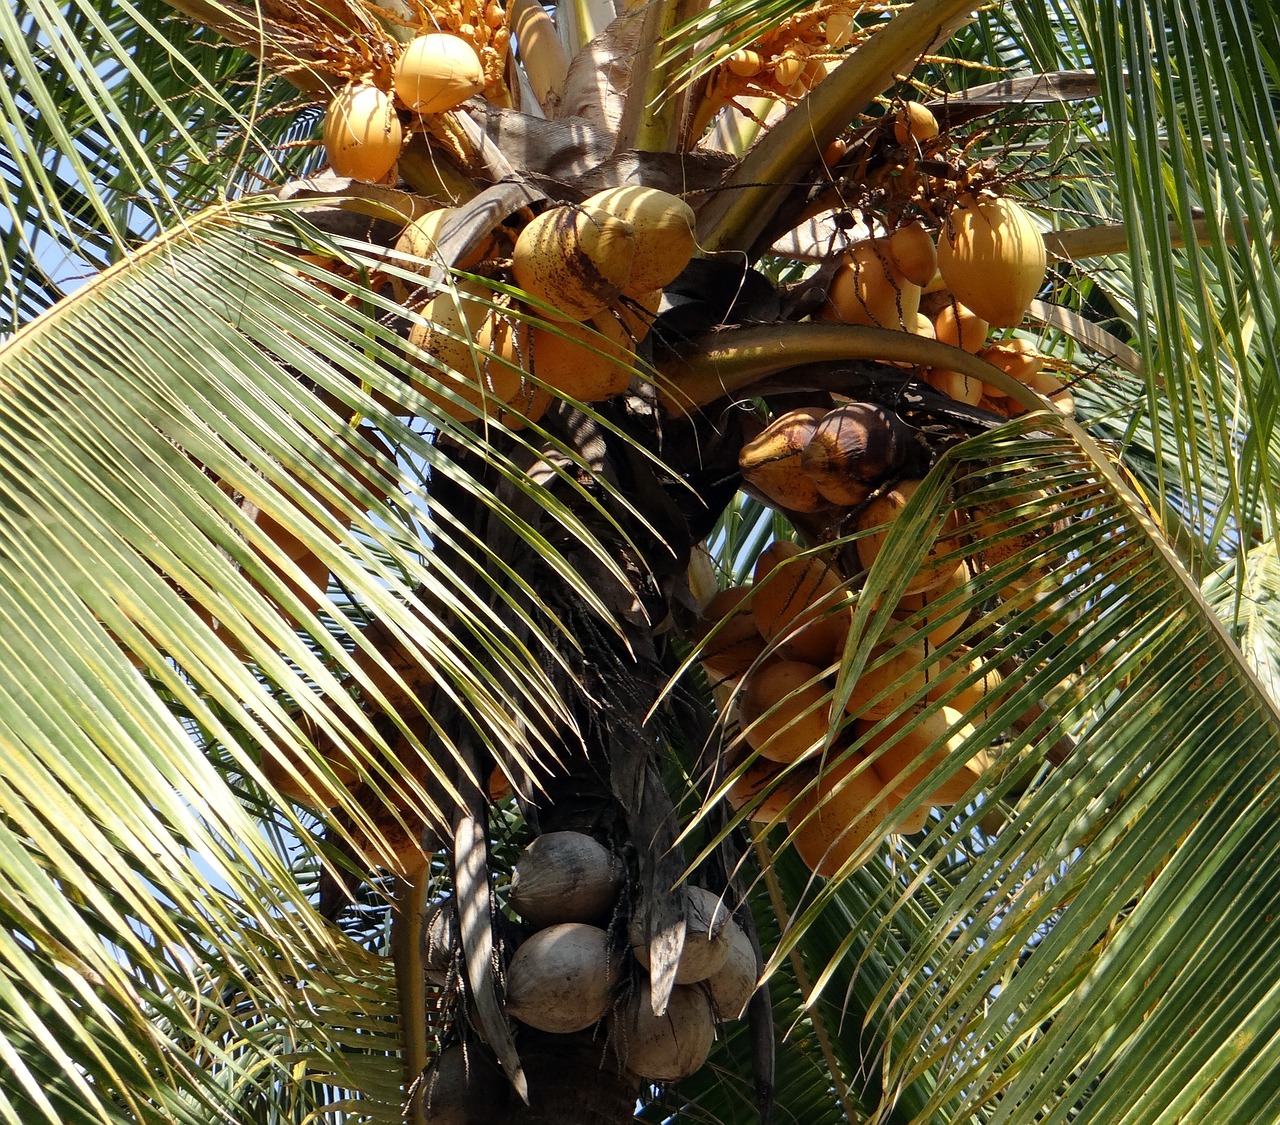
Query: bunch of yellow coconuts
{"points": [[983, 272], [571, 969], [772, 647], [594, 271]]}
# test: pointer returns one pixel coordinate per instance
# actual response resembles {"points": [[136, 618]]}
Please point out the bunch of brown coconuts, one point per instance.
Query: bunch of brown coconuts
{"points": [[582, 964]]}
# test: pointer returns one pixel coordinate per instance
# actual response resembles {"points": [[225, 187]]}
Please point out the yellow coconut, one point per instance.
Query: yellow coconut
{"points": [[636, 314], [838, 816], [575, 259], [1016, 358], [914, 122], [866, 289], [562, 978], [904, 758], [762, 781], [436, 72], [420, 238], [955, 385], [784, 710], [941, 614], [772, 462], [877, 519], [745, 64], [798, 603], [664, 232], [362, 133], [889, 679], [960, 327], [300, 780], [853, 445], [914, 253], [1007, 525], [480, 351], [992, 257], [589, 361], [727, 638], [565, 877]]}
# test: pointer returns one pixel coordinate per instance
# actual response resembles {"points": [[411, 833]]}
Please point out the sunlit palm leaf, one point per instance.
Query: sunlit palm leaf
{"points": [[1159, 794], [183, 367]]}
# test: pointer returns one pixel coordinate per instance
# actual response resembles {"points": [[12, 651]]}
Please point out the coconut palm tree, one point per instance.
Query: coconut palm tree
{"points": [[323, 600]]}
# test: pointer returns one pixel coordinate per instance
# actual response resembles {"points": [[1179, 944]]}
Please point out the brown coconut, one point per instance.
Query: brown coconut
{"points": [[772, 462], [878, 517], [362, 134], [734, 983], [784, 710], [992, 257], [838, 816], [440, 940], [706, 937], [437, 72], [668, 1047], [465, 1087], [727, 638], [664, 232], [565, 877], [799, 604], [575, 259], [562, 978], [853, 445]]}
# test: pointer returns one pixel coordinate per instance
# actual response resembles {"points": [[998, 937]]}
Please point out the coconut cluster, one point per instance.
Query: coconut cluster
{"points": [[839, 761], [462, 52], [594, 274], [980, 274], [582, 963]]}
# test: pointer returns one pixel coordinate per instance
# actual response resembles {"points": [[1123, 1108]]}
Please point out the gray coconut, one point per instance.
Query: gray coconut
{"points": [[565, 877], [562, 978], [439, 940], [734, 983], [666, 1047], [706, 937], [464, 1088]]}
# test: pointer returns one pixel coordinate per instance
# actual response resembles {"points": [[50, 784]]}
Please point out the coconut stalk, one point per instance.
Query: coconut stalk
{"points": [[733, 360]]}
